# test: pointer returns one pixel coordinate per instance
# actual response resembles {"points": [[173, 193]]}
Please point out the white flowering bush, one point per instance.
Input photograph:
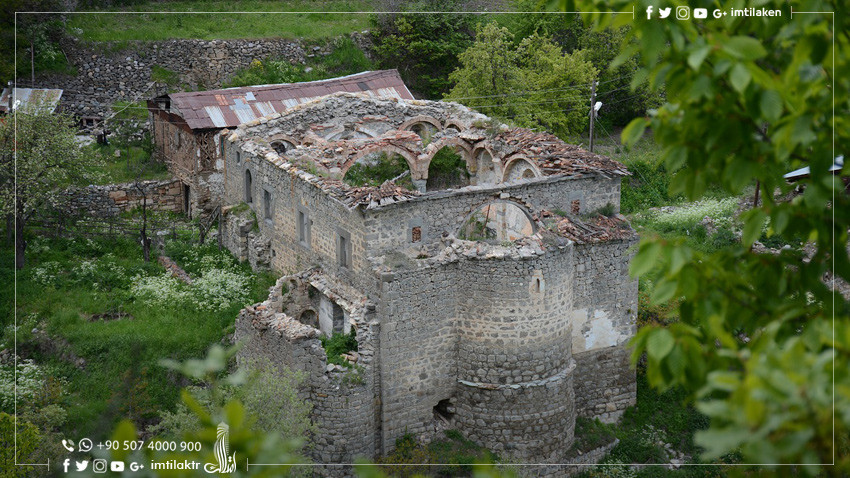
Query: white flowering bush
{"points": [[30, 382], [218, 289], [688, 216], [160, 290], [47, 274]]}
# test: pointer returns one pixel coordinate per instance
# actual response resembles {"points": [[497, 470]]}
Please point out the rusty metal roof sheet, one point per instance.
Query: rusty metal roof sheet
{"points": [[31, 97], [554, 156], [231, 107]]}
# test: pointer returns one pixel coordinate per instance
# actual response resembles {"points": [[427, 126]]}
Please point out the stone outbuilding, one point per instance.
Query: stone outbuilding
{"points": [[495, 301], [185, 126]]}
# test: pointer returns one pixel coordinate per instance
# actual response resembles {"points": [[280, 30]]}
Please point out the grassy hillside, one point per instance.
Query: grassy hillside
{"points": [[190, 19]]}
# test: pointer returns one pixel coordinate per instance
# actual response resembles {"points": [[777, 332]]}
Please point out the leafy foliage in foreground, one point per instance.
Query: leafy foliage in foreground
{"points": [[759, 335]]}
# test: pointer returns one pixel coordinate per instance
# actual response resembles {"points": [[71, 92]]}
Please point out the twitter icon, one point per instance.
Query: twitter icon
{"points": [[665, 12], [81, 465]]}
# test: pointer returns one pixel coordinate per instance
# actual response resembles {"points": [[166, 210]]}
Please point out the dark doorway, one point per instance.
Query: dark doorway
{"points": [[186, 203]]}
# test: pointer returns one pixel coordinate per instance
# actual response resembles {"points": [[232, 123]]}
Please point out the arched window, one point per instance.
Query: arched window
{"points": [[249, 193], [520, 168], [497, 221]]}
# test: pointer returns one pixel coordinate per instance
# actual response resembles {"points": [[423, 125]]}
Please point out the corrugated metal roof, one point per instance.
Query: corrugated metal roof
{"points": [[233, 106], [29, 97]]}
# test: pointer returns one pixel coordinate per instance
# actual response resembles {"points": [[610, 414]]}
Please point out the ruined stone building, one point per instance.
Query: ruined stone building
{"points": [[496, 302], [185, 126]]}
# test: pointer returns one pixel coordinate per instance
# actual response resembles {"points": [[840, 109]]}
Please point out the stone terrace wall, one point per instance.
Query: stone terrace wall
{"points": [[112, 199], [605, 310], [107, 73]]}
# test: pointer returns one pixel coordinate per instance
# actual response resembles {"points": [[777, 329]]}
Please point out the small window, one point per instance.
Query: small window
{"points": [[303, 224], [238, 157], [343, 250], [267, 205], [177, 138], [416, 234], [221, 145], [249, 195], [575, 206]]}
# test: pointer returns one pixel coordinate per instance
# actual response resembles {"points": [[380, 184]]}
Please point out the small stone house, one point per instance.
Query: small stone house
{"points": [[496, 302], [185, 126]]}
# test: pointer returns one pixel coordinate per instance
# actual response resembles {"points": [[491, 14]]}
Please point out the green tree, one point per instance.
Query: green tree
{"points": [[535, 84], [763, 341], [38, 154], [423, 47]]}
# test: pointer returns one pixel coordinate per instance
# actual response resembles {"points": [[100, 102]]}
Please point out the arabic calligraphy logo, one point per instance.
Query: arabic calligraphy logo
{"points": [[226, 463]]}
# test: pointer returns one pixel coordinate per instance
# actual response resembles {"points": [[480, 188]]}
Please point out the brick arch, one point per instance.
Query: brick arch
{"points": [[283, 137], [526, 209], [453, 122], [409, 157], [421, 119], [498, 170], [511, 162]]}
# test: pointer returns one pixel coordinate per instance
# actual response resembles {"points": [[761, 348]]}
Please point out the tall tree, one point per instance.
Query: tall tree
{"points": [[763, 340], [39, 155], [534, 84]]}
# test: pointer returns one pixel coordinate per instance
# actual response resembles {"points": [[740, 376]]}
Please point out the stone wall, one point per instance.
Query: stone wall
{"points": [[388, 227], [108, 72], [604, 315], [113, 199]]}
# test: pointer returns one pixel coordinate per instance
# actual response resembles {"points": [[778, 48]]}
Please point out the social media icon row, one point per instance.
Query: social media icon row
{"points": [[97, 466], [682, 12]]}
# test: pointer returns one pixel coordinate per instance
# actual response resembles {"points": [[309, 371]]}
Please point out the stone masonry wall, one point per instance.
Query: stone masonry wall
{"points": [[604, 314], [342, 399], [485, 336], [289, 195], [389, 227], [109, 72], [112, 199]]}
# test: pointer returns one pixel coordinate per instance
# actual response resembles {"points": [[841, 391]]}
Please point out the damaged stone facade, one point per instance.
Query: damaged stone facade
{"points": [[501, 308]]}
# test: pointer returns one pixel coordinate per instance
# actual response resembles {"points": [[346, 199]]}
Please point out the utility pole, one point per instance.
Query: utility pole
{"points": [[592, 111]]}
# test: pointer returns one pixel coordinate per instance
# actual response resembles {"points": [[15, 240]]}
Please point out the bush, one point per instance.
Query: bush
{"points": [[373, 170], [685, 218], [338, 344]]}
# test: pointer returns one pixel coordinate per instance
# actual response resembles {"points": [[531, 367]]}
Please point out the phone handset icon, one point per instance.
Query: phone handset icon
{"points": [[68, 444]]}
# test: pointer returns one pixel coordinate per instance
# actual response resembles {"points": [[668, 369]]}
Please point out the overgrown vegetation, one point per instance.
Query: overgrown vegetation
{"points": [[98, 301], [338, 344], [454, 453], [345, 58], [374, 169], [447, 170]]}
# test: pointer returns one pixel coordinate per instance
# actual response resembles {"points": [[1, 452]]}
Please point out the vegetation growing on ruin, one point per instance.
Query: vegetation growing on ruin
{"points": [[449, 455], [374, 169], [447, 170], [338, 344]]}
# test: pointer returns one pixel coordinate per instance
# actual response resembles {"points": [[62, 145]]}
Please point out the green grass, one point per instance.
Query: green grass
{"points": [[310, 24], [123, 169], [338, 344], [454, 453], [122, 377]]}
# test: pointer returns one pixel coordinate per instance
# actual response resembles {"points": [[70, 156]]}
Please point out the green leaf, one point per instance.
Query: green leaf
{"points": [[740, 77], [770, 104], [718, 442], [745, 48], [675, 157], [634, 131], [696, 57], [659, 343], [753, 227], [645, 259]]}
